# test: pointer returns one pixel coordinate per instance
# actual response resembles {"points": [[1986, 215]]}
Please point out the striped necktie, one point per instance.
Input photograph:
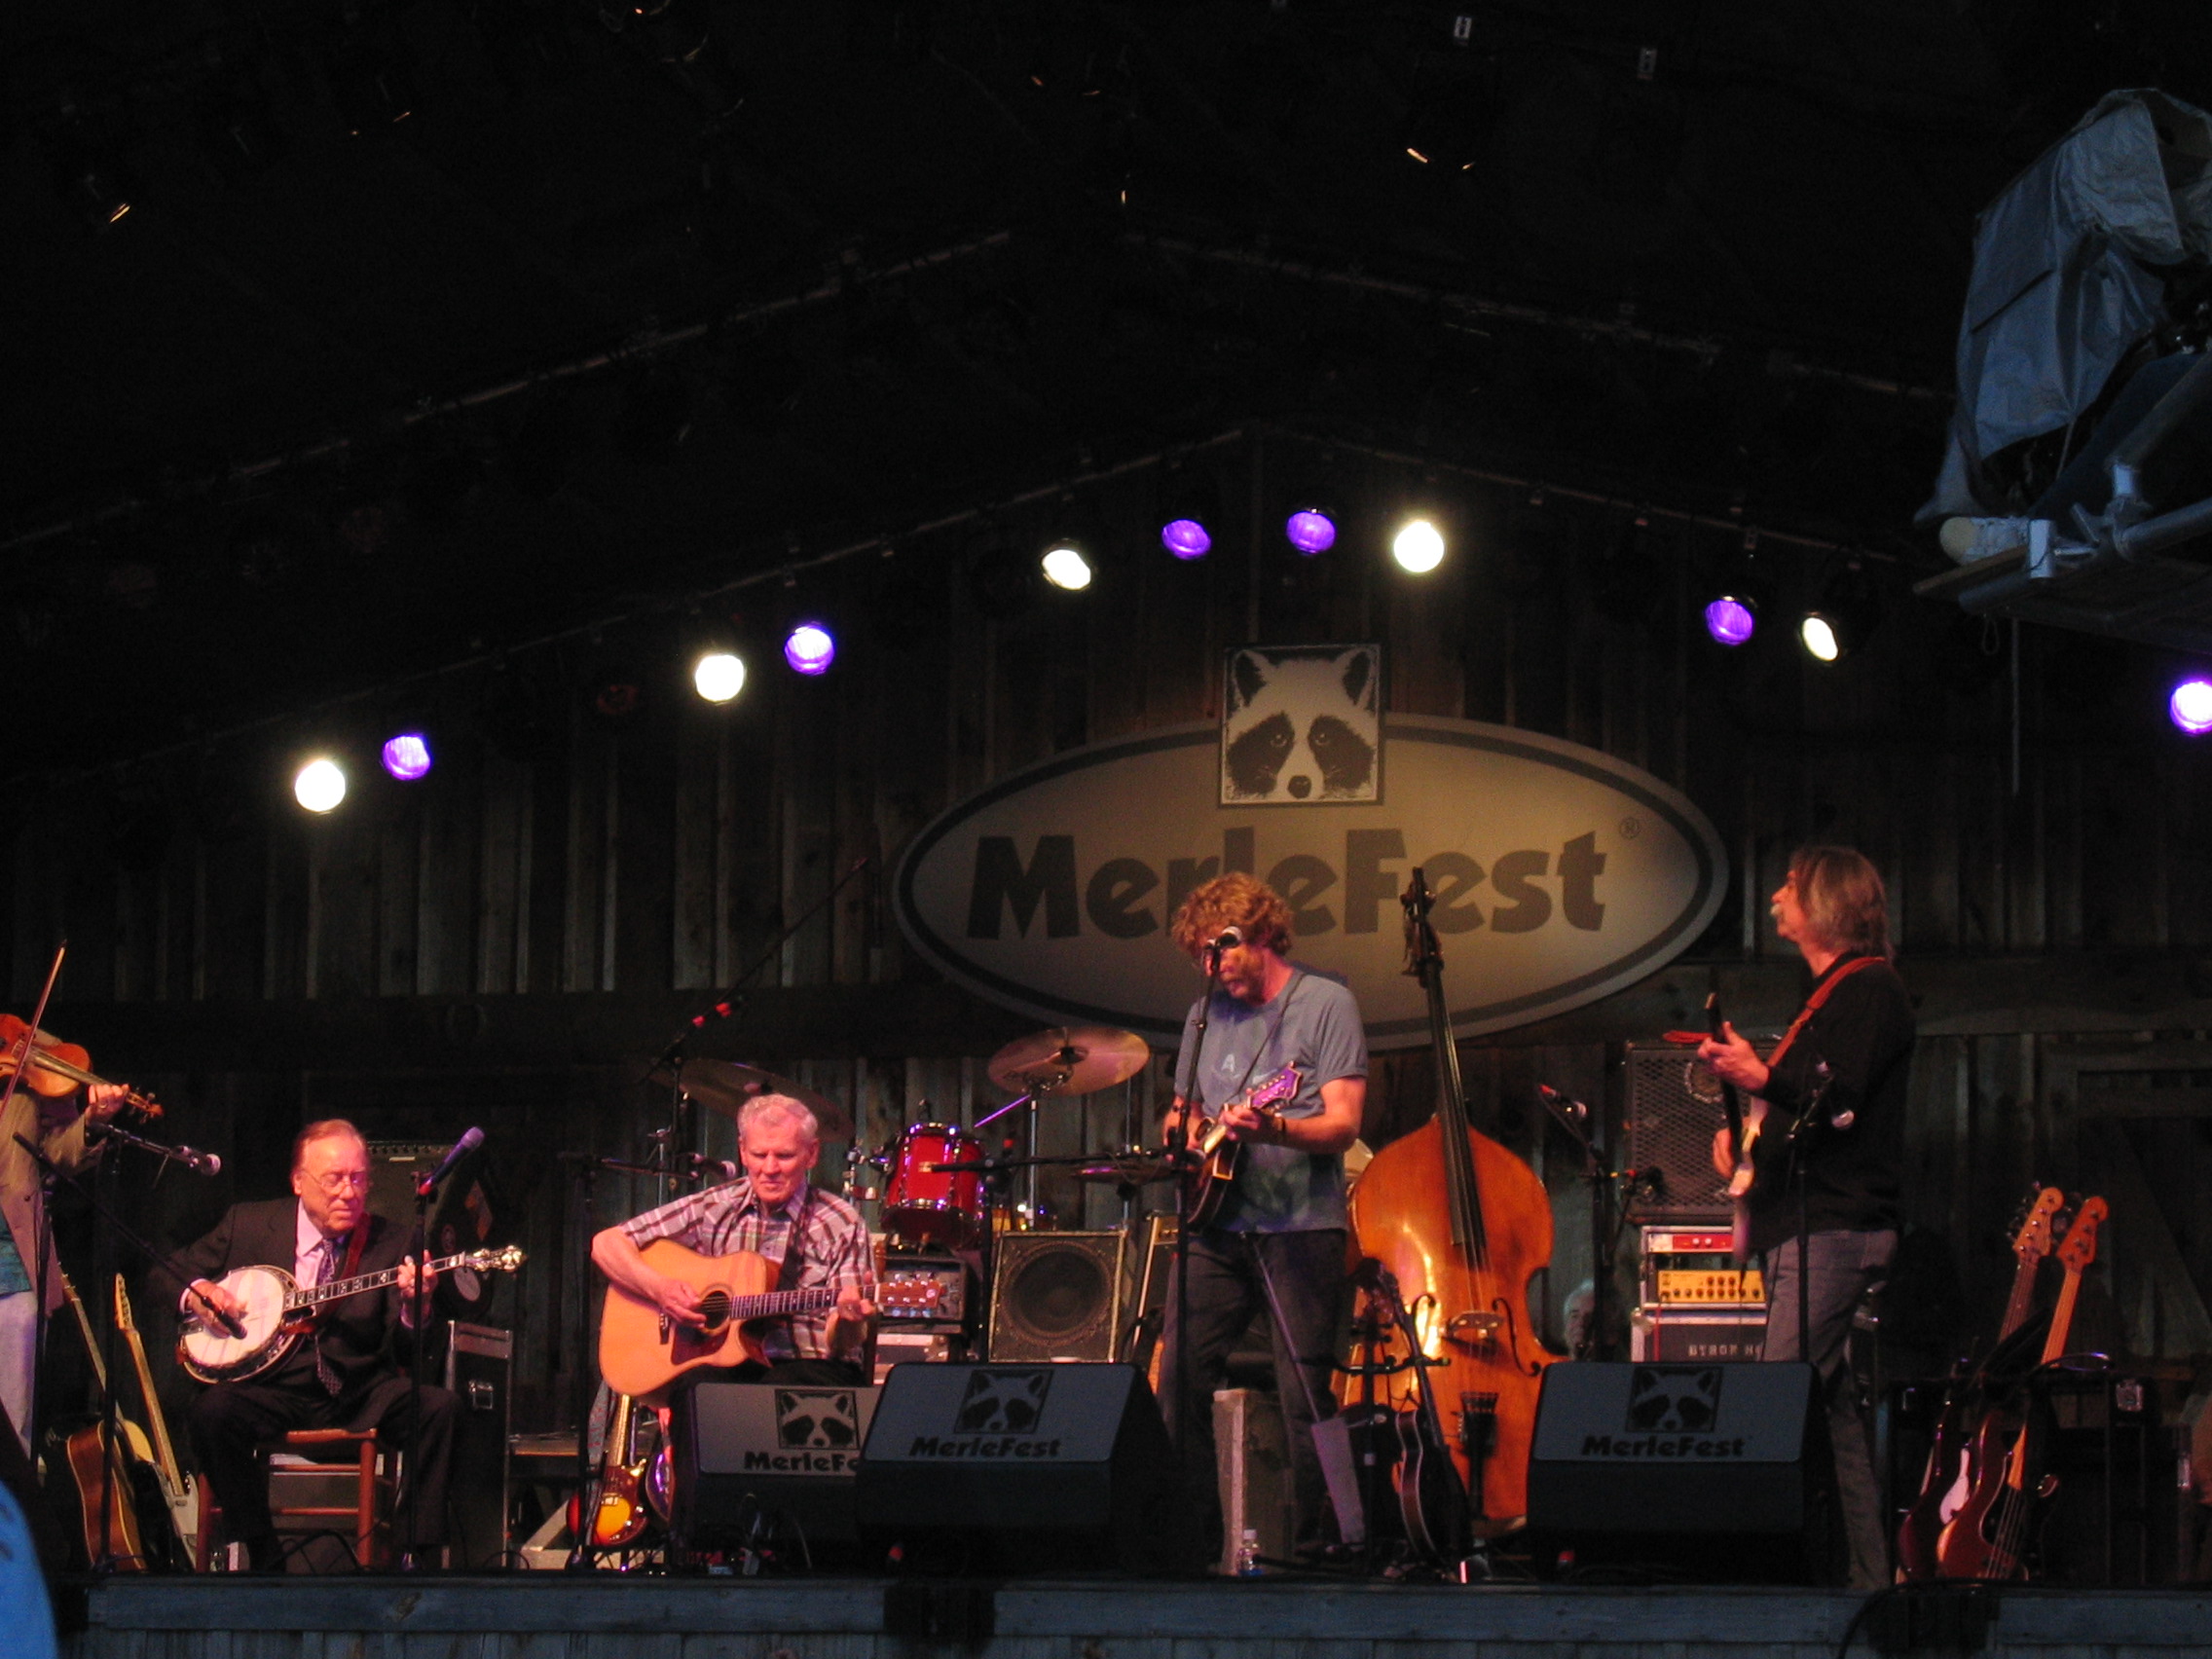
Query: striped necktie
{"points": [[326, 1269]]}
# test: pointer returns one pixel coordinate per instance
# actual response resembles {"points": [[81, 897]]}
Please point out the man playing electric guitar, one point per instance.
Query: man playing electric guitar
{"points": [[1846, 1059], [814, 1240], [1275, 1242]]}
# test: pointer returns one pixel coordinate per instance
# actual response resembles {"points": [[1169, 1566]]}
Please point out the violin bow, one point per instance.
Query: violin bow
{"points": [[38, 1019]]}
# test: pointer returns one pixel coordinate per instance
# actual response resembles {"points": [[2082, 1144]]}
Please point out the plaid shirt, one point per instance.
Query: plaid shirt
{"points": [[832, 1250]]}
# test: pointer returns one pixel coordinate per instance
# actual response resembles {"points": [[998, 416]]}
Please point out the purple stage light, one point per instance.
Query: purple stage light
{"points": [[2191, 707], [1730, 621], [810, 649], [407, 756], [1186, 539], [1310, 530]]}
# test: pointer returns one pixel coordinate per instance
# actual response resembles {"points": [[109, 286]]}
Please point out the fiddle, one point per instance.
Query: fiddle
{"points": [[52, 1068]]}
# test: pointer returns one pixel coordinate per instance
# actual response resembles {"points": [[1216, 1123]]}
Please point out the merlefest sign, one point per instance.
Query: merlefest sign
{"points": [[1560, 875]]}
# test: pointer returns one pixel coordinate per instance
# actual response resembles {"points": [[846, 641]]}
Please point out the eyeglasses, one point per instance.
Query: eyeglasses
{"points": [[343, 1180]]}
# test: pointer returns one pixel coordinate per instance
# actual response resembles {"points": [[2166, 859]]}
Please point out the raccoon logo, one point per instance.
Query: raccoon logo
{"points": [[1301, 724], [817, 1420], [1002, 1402], [1674, 1397]]}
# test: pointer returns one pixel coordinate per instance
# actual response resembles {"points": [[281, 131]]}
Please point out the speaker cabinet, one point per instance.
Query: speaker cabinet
{"points": [[1671, 1110], [1055, 1295], [1018, 1467], [767, 1462], [479, 1370], [1719, 1470]]}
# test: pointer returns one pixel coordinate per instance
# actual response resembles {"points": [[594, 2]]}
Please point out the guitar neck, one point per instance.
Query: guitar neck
{"points": [[85, 1327], [165, 1451], [2023, 1295], [772, 1303]]}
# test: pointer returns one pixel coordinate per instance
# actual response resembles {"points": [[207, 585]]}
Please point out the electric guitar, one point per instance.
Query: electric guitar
{"points": [[1995, 1528], [1207, 1183], [179, 1491], [1951, 1474], [1744, 1125], [641, 1351], [621, 1515]]}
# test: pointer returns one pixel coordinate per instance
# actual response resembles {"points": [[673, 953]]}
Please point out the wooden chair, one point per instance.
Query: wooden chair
{"points": [[369, 1513]]}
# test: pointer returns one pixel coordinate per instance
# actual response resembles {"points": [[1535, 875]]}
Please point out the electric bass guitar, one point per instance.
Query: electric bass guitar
{"points": [[641, 1351], [178, 1489], [1950, 1475], [1994, 1532], [1207, 1183], [278, 1312]]}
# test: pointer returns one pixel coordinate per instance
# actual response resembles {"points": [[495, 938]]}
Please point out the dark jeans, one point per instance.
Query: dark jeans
{"points": [[1846, 1270], [230, 1421], [1308, 1271]]}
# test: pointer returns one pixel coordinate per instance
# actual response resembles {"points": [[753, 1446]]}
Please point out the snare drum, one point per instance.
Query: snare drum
{"points": [[934, 1206]]}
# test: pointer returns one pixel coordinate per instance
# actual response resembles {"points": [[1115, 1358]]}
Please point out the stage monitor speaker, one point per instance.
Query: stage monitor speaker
{"points": [[1719, 1471], [1022, 1467], [1055, 1296], [767, 1462], [480, 1371], [1671, 1110]]}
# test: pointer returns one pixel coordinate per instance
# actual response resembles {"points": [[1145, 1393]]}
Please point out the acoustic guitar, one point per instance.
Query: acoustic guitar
{"points": [[642, 1351], [113, 1475]]}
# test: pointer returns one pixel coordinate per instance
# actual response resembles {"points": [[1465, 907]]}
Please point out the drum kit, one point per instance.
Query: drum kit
{"points": [[941, 1190]]}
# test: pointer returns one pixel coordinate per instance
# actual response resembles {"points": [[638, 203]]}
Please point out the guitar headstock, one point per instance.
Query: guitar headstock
{"points": [[2080, 1247], [1279, 1088], [122, 1307], [909, 1296], [2032, 1243]]}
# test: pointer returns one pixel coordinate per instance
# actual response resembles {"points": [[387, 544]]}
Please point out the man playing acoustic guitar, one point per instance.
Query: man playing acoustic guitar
{"points": [[1274, 1245], [814, 1239]]}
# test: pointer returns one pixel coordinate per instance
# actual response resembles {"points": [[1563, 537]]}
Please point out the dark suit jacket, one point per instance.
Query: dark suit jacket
{"points": [[361, 1336]]}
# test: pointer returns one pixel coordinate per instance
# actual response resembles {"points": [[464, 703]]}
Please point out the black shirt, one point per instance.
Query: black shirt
{"points": [[1853, 1173]]}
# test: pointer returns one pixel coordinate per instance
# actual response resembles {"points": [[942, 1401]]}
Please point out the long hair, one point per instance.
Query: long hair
{"points": [[1845, 904], [1233, 900]]}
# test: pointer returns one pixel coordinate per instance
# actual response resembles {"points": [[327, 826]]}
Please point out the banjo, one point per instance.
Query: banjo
{"points": [[278, 1313]]}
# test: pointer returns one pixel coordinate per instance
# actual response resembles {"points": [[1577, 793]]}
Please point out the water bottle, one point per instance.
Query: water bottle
{"points": [[1249, 1553]]}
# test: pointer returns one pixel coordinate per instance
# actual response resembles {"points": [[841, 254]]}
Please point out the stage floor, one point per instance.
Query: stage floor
{"points": [[616, 1616]]}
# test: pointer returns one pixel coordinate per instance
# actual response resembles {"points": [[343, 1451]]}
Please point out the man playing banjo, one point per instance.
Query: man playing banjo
{"points": [[342, 1374]]}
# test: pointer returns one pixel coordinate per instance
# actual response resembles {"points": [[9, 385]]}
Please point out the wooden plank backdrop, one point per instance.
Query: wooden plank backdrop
{"points": [[510, 940]]}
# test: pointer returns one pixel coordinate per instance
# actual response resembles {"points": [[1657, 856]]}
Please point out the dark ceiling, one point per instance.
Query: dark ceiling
{"points": [[627, 306]]}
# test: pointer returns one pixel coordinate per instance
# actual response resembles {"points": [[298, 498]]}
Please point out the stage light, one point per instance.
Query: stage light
{"points": [[719, 675], [1065, 567], [1418, 546], [1731, 620], [319, 785], [1186, 539], [407, 756], [809, 649], [2190, 706], [1310, 530], [1839, 621]]}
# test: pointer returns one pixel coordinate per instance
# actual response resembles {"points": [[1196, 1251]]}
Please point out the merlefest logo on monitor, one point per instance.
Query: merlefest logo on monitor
{"points": [[998, 1415], [1561, 874]]}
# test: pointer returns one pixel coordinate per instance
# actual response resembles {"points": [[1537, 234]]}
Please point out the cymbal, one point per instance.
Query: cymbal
{"points": [[727, 1085], [1069, 1060]]}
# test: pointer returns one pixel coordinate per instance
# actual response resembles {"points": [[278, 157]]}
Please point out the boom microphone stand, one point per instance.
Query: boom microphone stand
{"points": [[1178, 1153]]}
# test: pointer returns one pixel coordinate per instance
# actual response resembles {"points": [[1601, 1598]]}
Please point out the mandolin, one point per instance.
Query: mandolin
{"points": [[1432, 1501], [1208, 1182], [1950, 1473], [1994, 1532]]}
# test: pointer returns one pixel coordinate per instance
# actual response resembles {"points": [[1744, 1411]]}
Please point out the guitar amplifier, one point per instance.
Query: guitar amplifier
{"points": [[1671, 1110]]}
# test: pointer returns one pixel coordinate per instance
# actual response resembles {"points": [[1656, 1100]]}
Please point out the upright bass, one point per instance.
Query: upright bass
{"points": [[1462, 1224]]}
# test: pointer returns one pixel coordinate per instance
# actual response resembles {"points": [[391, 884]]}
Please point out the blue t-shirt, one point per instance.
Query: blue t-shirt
{"points": [[1314, 1025]]}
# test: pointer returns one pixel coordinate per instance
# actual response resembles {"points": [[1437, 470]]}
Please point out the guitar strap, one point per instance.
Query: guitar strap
{"points": [[787, 1279], [1274, 1031], [1813, 1004]]}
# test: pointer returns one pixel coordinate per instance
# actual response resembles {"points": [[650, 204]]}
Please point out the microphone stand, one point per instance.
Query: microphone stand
{"points": [[1178, 1153], [1605, 1225], [419, 1356]]}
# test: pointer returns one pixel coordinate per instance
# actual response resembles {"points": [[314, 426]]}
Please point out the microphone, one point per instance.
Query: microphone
{"points": [[1229, 938], [462, 1148], [720, 1166], [198, 1161], [1574, 1110]]}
